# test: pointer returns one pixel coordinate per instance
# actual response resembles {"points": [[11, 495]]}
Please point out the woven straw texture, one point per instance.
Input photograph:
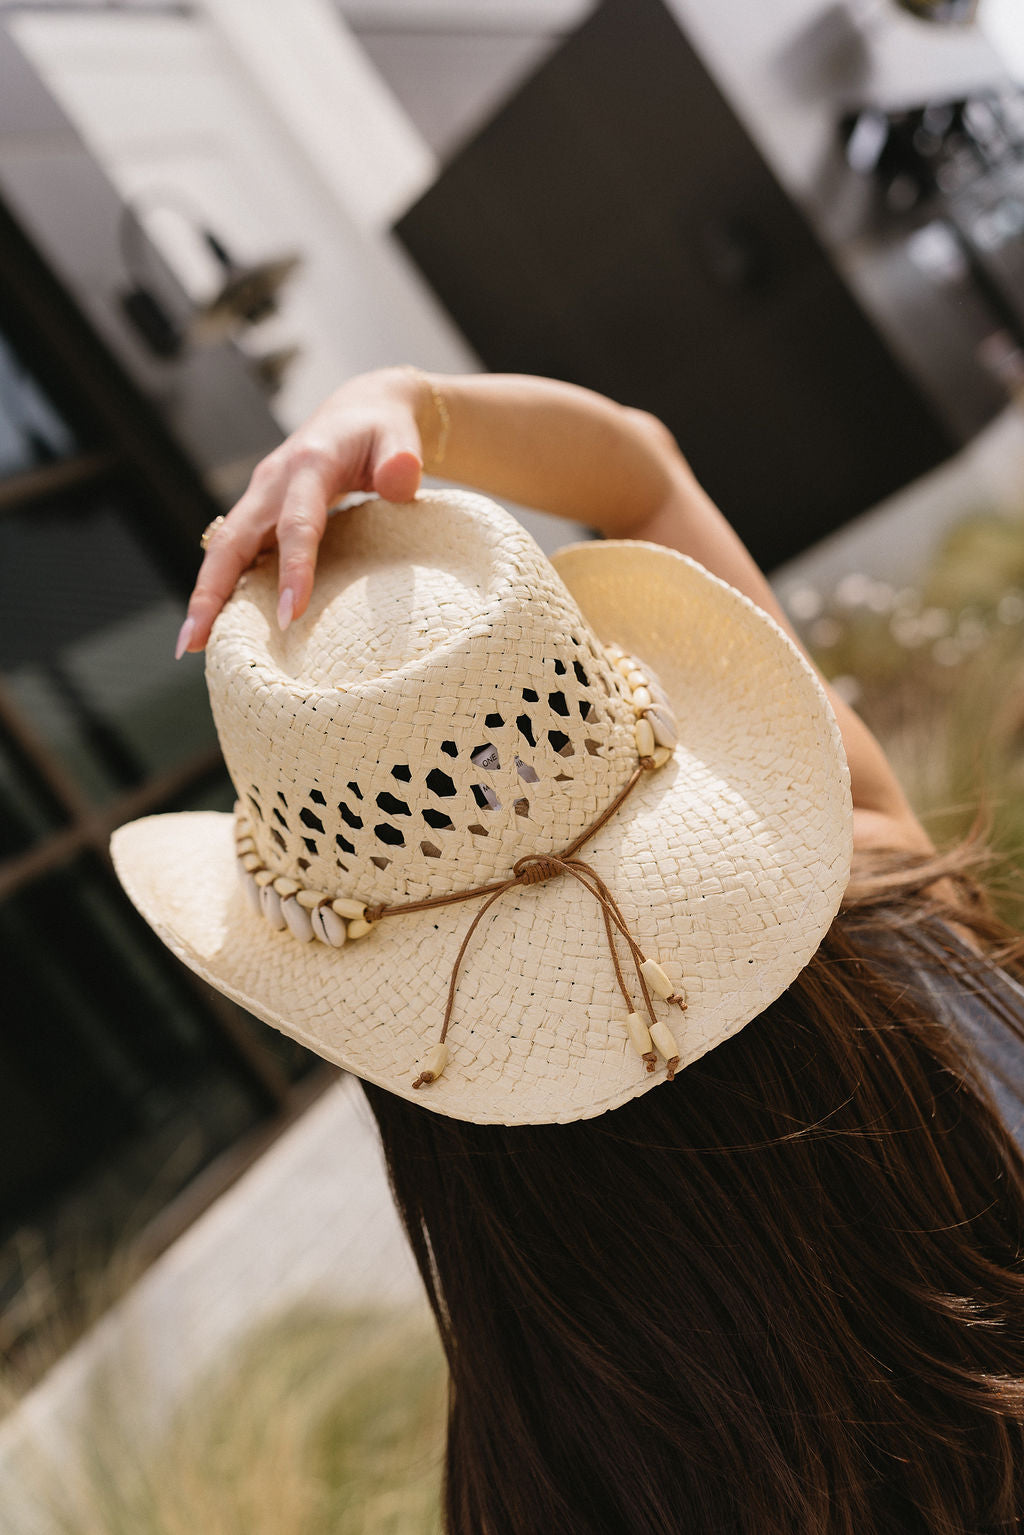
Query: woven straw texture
{"points": [[444, 708]]}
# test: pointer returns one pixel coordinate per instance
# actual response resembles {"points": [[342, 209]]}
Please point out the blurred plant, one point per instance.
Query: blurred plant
{"points": [[322, 1422], [937, 671]]}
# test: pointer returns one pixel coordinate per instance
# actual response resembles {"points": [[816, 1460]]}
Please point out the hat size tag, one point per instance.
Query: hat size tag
{"points": [[487, 757]]}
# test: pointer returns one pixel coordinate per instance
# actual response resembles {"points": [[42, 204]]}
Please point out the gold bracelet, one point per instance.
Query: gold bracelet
{"points": [[440, 407]]}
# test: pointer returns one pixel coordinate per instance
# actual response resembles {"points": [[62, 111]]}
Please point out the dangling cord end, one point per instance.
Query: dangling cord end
{"points": [[436, 1061], [679, 1000], [640, 1039], [662, 1038], [438, 1057]]}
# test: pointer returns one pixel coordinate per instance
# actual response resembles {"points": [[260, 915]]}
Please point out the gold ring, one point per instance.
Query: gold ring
{"points": [[209, 531]]}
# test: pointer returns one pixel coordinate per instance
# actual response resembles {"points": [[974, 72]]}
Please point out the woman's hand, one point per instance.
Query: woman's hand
{"points": [[365, 437]]}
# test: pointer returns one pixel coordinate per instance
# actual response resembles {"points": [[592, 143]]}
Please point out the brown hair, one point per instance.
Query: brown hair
{"points": [[784, 1294]]}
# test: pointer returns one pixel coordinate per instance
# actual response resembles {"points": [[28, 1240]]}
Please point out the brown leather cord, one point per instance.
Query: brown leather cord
{"points": [[533, 869], [376, 913]]}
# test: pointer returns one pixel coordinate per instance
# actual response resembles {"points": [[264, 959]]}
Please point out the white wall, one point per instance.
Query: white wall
{"points": [[1003, 23], [269, 122]]}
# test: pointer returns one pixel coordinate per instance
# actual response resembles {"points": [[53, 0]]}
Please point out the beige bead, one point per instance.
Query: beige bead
{"points": [[297, 918], [625, 665], [251, 889], [641, 698], [286, 887], [328, 927], [637, 679], [660, 756], [349, 909], [662, 722], [310, 899], [433, 1067], [664, 1041], [614, 652], [251, 862], [270, 906], [656, 978], [359, 928], [644, 737], [245, 845], [264, 877], [639, 1034]]}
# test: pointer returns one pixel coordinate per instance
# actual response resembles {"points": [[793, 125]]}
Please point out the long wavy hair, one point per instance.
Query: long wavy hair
{"points": [[782, 1296]]}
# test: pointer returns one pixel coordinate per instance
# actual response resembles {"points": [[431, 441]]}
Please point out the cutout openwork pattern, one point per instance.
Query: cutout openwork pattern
{"points": [[521, 748], [409, 735]]}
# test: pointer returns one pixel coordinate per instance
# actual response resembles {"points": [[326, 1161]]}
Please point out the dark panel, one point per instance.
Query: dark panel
{"points": [[615, 226]]}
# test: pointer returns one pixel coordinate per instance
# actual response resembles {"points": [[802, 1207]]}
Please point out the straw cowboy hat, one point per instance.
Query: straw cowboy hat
{"points": [[583, 819]]}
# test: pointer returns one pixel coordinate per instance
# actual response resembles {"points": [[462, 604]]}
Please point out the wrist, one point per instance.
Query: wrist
{"points": [[430, 404]]}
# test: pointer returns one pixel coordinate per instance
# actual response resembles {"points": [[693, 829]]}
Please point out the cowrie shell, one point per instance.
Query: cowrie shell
{"points": [[297, 918], [644, 736], [662, 723], [327, 926], [270, 906], [251, 889]]}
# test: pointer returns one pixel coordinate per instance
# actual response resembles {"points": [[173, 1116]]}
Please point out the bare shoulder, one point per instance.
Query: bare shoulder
{"points": [[882, 831]]}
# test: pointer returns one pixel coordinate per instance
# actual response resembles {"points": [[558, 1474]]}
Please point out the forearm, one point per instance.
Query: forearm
{"points": [[549, 445], [570, 451]]}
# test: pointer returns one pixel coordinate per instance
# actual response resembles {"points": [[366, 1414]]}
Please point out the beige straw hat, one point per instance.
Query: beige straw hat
{"points": [[455, 711]]}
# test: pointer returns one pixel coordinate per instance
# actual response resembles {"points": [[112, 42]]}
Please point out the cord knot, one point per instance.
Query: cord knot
{"points": [[535, 868]]}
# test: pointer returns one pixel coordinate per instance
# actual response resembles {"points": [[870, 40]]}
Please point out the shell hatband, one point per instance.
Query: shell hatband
{"points": [[656, 736], [311, 914]]}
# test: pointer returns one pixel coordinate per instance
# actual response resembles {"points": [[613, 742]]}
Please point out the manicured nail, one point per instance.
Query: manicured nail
{"points": [[185, 634], [285, 608]]}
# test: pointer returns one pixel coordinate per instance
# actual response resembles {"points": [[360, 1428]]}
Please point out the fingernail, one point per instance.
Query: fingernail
{"points": [[285, 608], [185, 634]]}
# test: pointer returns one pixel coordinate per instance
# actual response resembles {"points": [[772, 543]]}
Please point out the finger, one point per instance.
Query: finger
{"points": [[232, 549], [398, 478], [299, 531], [396, 464]]}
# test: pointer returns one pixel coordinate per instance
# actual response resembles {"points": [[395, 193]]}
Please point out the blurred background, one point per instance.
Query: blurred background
{"points": [[795, 232]]}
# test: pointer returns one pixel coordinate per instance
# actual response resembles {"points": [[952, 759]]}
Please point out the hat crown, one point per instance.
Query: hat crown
{"points": [[440, 710]]}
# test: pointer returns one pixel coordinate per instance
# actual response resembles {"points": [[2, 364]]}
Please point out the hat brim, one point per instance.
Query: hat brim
{"points": [[729, 864]]}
